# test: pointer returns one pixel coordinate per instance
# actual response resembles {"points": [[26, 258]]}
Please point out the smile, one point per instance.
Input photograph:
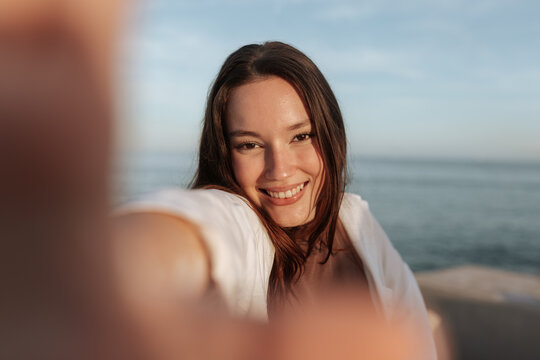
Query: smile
{"points": [[285, 194], [291, 193]]}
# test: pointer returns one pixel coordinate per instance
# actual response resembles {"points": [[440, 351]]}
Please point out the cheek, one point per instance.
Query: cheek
{"points": [[312, 162], [244, 172], [315, 168]]}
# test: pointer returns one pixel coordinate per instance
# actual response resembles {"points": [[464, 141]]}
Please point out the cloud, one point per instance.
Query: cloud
{"points": [[166, 43], [347, 10], [368, 60]]}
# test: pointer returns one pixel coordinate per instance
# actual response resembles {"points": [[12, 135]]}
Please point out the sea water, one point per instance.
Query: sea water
{"points": [[437, 213]]}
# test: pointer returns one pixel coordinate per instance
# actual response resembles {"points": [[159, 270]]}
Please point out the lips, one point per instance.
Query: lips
{"points": [[284, 195], [287, 193]]}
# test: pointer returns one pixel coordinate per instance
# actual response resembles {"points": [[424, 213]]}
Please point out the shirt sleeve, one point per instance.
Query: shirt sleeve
{"points": [[240, 251]]}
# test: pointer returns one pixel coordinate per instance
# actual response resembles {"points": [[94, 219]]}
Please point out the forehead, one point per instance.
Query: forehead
{"points": [[267, 103]]}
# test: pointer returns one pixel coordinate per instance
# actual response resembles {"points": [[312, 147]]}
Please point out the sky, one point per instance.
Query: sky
{"points": [[414, 78]]}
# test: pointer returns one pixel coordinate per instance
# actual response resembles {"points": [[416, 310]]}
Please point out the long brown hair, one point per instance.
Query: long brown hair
{"points": [[249, 63]]}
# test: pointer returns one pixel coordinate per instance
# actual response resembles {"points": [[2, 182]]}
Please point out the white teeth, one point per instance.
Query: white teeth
{"points": [[287, 194]]}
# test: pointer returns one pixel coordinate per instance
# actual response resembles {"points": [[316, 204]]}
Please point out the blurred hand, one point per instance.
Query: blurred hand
{"points": [[55, 120]]}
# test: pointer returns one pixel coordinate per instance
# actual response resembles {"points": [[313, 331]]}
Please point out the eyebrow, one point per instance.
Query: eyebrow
{"points": [[299, 125], [237, 133]]}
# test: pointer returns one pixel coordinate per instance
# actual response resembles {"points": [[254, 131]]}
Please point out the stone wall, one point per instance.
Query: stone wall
{"points": [[486, 313]]}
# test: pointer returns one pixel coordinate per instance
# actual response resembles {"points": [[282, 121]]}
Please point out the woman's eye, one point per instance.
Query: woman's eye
{"points": [[247, 146], [303, 137]]}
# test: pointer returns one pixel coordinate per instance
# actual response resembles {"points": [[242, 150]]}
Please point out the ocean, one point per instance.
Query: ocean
{"points": [[437, 213]]}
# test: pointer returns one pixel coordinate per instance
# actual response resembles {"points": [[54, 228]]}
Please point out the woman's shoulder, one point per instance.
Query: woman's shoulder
{"points": [[354, 203], [170, 194], [207, 207], [174, 199], [361, 225]]}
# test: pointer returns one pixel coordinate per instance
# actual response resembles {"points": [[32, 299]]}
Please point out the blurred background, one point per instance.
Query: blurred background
{"points": [[440, 99]]}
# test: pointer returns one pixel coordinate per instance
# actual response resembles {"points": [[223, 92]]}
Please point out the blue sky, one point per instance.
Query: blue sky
{"points": [[436, 78]]}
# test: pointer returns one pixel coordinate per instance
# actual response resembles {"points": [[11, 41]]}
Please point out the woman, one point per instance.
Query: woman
{"points": [[272, 228]]}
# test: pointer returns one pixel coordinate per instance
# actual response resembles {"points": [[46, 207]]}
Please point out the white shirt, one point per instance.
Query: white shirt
{"points": [[242, 254]]}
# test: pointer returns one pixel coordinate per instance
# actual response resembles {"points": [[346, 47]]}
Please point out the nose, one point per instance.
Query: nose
{"points": [[279, 163]]}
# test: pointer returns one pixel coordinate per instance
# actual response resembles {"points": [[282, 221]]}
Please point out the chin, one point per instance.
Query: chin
{"points": [[289, 224], [289, 221]]}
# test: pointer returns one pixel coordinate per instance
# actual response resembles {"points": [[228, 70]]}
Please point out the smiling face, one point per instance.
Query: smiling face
{"points": [[274, 152]]}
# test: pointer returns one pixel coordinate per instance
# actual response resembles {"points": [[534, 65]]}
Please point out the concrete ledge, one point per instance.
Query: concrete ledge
{"points": [[488, 313]]}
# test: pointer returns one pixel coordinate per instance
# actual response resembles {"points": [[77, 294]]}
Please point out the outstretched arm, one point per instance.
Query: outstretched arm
{"points": [[159, 256]]}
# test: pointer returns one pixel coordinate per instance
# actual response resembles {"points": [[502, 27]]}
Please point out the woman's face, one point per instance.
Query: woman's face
{"points": [[274, 153]]}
